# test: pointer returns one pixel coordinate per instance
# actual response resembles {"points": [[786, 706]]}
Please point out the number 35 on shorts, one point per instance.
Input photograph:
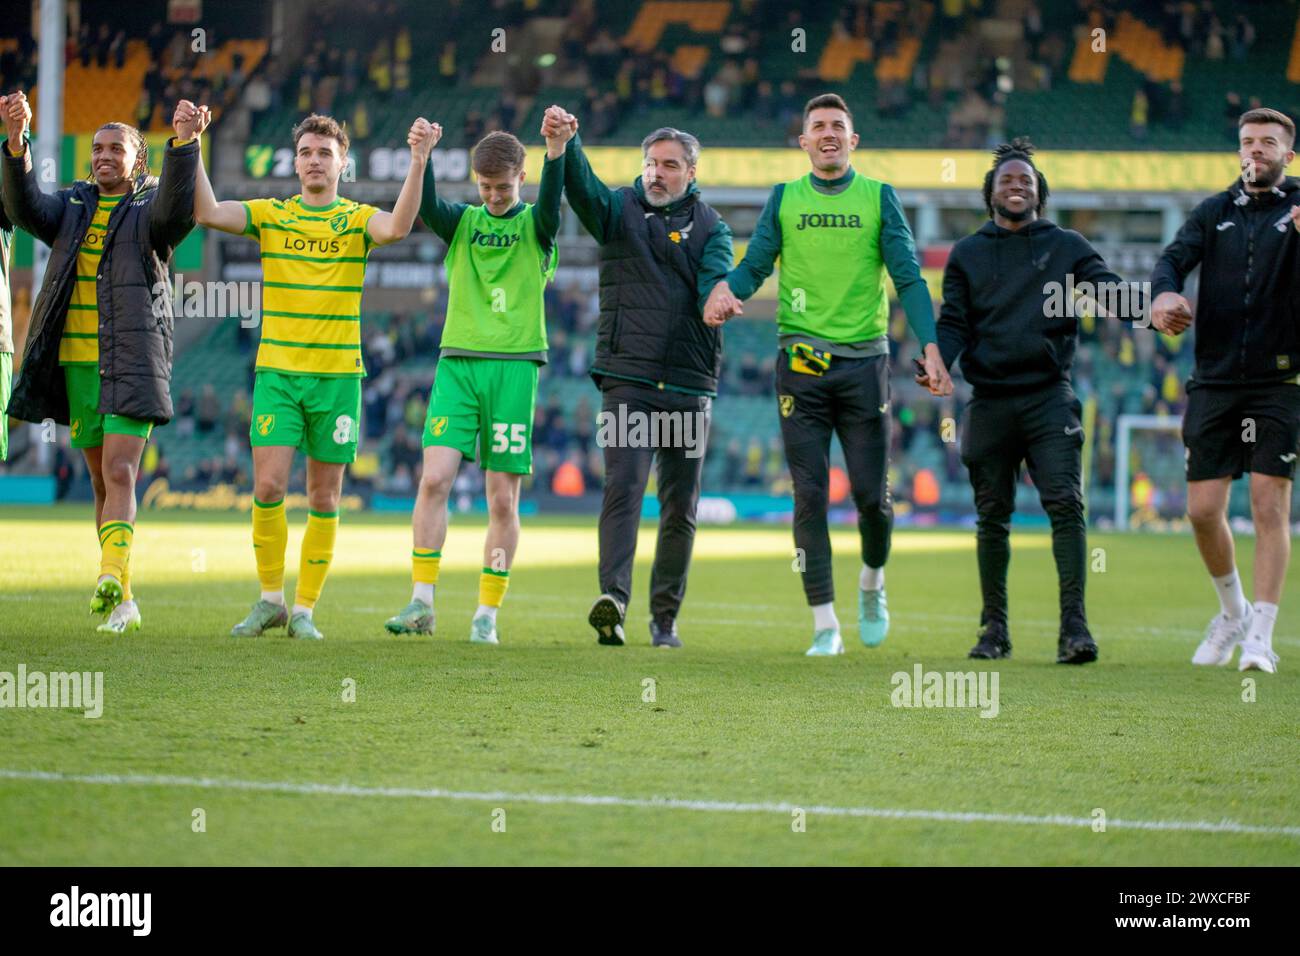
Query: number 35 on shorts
{"points": [[508, 437]]}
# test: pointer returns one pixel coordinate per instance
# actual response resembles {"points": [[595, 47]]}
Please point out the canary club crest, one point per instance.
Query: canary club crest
{"points": [[339, 222], [438, 425], [265, 423], [787, 405], [76, 428]]}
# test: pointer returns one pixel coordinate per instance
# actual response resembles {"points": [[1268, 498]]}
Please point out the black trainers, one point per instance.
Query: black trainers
{"points": [[607, 618], [994, 643], [663, 632], [1076, 646]]}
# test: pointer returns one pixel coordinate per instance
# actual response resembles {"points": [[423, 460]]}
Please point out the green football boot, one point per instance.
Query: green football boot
{"points": [[873, 617], [483, 630], [125, 617], [826, 643], [263, 617], [416, 618], [303, 627], [108, 595]]}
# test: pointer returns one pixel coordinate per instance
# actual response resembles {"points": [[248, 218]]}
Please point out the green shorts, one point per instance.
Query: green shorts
{"points": [[318, 414], [6, 389], [86, 426], [483, 407]]}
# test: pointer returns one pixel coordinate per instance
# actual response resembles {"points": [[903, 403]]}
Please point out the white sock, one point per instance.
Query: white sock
{"points": [[1232, 600], [824, 617], [1261, 625], [485, 611], [423, 592], [871, 579], [274, 597], [301, 609]]}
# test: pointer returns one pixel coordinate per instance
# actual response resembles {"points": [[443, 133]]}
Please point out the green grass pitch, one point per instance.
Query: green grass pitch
{"points": [[455, 753]]}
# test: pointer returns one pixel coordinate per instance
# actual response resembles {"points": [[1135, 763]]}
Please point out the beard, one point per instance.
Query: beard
{"points": [[1271, 174], [665, 199], [1006, 213]]}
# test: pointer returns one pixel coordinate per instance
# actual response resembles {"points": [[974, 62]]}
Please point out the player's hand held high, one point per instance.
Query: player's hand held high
{"points": [[189, 121], [1171, 313], [558, 127], [18, 119], [422, 137]]}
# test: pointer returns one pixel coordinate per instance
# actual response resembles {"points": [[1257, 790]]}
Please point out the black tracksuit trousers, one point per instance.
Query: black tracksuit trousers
{"points": [[627, 468], [851, 400], [1041, 429]]}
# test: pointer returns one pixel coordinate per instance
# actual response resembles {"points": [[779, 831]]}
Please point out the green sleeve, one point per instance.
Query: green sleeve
{"points": [[439, 215], [598, 208], [764, 247], [546, 214], [899, 252], [715, 261]]}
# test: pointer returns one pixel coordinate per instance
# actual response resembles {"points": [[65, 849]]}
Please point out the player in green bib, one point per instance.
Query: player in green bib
{"points": [[836, 233], [500, 255]]}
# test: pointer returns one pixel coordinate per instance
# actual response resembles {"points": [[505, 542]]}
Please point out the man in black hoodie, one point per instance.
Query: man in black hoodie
{"points": [[1243, 401], [1008, 314]]}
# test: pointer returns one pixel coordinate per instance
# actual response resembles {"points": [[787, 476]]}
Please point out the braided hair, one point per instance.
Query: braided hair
{"points": [[136, 139], [1021, 149]]}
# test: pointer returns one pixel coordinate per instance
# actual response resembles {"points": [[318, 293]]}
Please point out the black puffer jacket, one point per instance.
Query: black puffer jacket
{"points": [[135, 324]]}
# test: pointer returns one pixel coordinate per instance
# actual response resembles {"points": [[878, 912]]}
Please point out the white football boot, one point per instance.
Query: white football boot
{"points": [[1221, 639]]}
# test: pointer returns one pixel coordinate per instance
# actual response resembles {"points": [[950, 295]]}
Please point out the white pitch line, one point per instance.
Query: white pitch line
{"points": [[659, 803]]}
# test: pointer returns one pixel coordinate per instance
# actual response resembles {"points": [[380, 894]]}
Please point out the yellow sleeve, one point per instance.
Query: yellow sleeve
{"points": [[361, 219], [255, 214]]}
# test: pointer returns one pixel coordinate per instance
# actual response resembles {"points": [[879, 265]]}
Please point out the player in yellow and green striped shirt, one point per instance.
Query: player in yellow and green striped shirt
{"points": [[307, 393]]}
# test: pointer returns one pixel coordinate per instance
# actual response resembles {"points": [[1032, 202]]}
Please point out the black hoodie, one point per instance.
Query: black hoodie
{"points": [[1248, 306], [1005, 312]]}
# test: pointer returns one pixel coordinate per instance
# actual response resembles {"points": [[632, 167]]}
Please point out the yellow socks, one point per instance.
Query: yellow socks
{"points": [[424, 573], [270, 538], [115, 548], [126, 583], [492, 588], [317, 553]]}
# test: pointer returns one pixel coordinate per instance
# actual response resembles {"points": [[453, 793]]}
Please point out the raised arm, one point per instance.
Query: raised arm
{"points": [[387, 227], [558, 131], [28, 208], [171, 214], [226, 216], [597, 206]]}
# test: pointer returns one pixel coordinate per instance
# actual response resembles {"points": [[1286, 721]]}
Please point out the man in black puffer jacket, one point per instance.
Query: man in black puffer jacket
{"points": [[662, 250], [1009, 315], [99, 352]]}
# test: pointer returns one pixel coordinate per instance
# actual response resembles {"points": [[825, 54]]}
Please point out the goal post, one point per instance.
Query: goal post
{"points": [[1125, 426]]}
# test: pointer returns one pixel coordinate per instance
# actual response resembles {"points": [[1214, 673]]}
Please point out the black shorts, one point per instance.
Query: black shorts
{"points": [[1229, 431]]}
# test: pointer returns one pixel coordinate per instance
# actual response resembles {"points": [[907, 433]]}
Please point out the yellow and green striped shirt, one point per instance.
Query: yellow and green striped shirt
{"points": [[80, 342], [313, 271]]}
